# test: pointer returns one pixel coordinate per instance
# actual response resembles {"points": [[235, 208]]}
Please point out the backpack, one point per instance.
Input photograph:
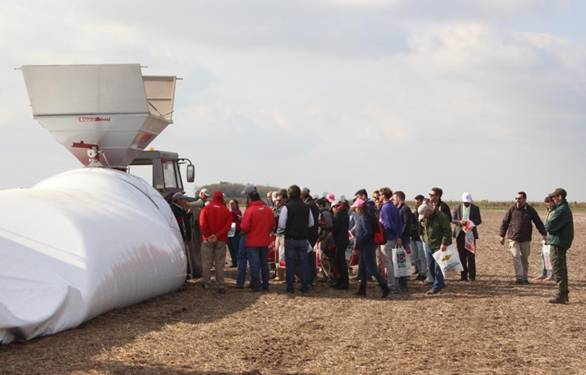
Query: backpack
{"points": [[379, 234]]}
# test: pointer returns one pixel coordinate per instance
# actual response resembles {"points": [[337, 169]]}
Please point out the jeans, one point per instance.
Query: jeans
{"points": [[435, 270], [242, 259], [544, 271], [296, 250], [419, 258], [258, 257], [367, 266], [428, 271], [387, 250], [233, 244]]}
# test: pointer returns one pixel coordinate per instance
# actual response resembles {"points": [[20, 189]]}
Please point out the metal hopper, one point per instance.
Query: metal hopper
{"points": [[112, 108]]}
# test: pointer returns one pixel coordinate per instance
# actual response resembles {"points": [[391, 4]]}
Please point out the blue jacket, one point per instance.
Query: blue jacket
{"points": [[391, 220], [364, 232]]}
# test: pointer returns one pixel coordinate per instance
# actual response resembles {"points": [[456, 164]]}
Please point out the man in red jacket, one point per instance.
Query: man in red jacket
{"points": [[257, 225], [215, 221]]}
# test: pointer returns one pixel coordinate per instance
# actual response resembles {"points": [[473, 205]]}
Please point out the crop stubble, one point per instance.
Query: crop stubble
{"points": [[489, 326]]}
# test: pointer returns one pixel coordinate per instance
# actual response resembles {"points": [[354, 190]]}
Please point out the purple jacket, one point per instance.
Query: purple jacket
{"points": [[391, 220]]}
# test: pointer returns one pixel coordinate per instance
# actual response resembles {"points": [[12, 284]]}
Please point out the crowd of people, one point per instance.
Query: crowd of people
{"points": [[304, 235]]}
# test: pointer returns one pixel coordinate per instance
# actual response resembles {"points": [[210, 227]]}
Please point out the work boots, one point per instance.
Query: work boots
{"points": [[385, 291], [361, 290], [560, 299]]}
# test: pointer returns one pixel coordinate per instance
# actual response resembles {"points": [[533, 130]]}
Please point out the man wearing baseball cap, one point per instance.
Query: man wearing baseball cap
{"points": [[364, 234], [204, 194], [560, 230]]}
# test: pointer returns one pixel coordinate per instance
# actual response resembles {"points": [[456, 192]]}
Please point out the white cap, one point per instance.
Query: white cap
{"points": [[205, 192], [466, 197]]}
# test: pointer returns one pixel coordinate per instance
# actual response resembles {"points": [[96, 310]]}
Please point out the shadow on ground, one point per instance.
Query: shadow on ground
{"points": [[72, 349]]}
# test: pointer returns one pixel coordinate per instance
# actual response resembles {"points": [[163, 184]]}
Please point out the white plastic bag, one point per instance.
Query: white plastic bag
{"points": [[448, 260], [401, 262], [469, 240], [545, 250], [232, 231]]}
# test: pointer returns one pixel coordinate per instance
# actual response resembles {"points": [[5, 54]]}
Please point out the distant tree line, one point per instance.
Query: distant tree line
{"points": [[234, 189]]}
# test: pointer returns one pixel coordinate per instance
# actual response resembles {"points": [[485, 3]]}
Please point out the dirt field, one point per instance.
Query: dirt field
{"points": [[489, 326]]}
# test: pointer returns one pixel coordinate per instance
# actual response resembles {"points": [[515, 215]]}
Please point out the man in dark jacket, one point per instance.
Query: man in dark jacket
{"points": [[340, 232], [407, 221], [467, 211], [436, 199], [364, 235], [419, 255], [560, 228], [313, 232], [180, 208], [517, 227], [296, 219], [184, 217]]}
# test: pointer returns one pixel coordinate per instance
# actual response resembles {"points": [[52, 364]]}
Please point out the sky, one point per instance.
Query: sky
{"points": [[485, 96]]}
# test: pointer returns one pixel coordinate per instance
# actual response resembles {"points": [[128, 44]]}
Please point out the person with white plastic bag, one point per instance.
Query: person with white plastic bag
{"points": [[392, 225], [546, 269], [364, 233], [401, 263], [466, 217], [449, 260], [438, 236], [407, 219], [547, 273]]}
